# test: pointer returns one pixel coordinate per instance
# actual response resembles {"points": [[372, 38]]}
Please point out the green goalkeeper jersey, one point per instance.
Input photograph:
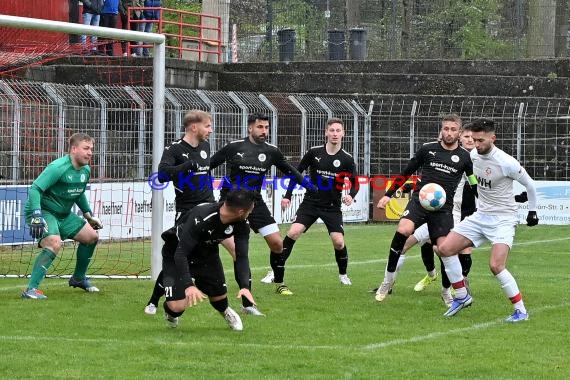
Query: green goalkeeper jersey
{"points": [[58, 187]]}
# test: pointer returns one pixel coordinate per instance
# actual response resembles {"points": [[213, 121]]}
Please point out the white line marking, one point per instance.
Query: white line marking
{"points": [[367, 347]]}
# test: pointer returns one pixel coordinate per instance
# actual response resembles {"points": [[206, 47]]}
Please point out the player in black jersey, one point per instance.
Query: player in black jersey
{"points": [[194, 270], [442, 162], [186, 162], [249, 161], [329, 168]]}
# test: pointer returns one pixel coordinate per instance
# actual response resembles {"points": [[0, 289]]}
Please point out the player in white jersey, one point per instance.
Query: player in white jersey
{"points": [[494, 220]]}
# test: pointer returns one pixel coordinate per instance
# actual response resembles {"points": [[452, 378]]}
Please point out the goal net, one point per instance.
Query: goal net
{"points": [[38, 117]]}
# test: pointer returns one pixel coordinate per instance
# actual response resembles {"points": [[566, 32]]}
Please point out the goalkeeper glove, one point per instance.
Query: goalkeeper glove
{"points": [[93, 221], [38, 225], [521, 198], [531, 219]]}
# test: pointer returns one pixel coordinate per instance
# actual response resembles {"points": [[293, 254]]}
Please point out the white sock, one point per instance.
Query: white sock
{"points": [[398, 266], [431, 273], [389, 276], [453, 270], [511, 289]]}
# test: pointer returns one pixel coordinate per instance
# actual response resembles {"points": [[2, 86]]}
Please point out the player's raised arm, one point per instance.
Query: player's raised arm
{"points": [[289, 170], [303, 165], [219, 157], [168, 165], [413, 165]]}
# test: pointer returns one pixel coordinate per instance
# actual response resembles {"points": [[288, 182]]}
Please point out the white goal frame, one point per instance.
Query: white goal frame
{"points": [[158, 87]]}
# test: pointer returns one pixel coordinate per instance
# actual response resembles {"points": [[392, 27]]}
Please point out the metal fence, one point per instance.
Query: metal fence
{"points": [[397, 29], [37, 118]]}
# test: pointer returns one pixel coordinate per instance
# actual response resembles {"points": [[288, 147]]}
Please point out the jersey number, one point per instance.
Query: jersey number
{"points": [[168, 291]]}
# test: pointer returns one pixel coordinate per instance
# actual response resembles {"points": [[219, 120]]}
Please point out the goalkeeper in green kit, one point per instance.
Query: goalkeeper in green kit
{"points": [[48, 214]]}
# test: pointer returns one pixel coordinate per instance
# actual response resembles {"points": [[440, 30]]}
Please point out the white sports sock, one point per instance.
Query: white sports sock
{"points": [[511, 289], [453, 270], [398, 266], [389, 276]]}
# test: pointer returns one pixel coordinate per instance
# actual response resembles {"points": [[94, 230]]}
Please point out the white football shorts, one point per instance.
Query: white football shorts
{"points": [[484, 227]]}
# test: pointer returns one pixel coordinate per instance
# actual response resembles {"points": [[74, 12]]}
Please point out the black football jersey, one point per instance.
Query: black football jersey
{"points": [[191, 187], [441, 166], [200, 235], [248, 164], [327, 173]]}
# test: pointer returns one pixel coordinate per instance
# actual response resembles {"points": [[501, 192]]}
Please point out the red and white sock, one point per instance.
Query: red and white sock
{"points": [[453, 270], [511, 289]]}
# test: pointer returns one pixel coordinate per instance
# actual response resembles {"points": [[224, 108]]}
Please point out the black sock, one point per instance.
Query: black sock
{"points": [[220, 305], [444, 279], [341, 256], [158, 291], [427, 256], [170, 312], [277, 260], [244, 301], [466, 262], [398, 242]]}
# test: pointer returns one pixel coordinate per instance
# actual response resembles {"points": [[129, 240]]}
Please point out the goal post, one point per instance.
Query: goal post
{"points": [[159, 60]]}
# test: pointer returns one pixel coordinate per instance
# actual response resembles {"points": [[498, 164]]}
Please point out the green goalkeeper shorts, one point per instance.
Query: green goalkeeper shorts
{"points": [[65, 228]]}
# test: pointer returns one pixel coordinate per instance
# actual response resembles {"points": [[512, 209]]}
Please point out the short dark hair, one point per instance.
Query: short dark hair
{"points": [[483, 125], [251, 119], [467, 126], [76, 138], [240, 198]]}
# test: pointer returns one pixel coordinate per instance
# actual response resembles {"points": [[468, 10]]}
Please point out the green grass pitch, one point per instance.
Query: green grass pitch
{"points": [[325, 331]]}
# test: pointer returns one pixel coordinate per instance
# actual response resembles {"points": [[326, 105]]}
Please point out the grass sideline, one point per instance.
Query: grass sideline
{"points": [[325, 331]]}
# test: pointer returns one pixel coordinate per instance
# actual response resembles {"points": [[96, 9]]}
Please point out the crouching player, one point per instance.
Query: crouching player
{"points": [[194, 271]]}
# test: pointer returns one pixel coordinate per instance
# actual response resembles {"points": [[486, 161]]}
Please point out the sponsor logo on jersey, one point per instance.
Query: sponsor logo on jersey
{"points": [[240, 154], [318, 159], [185, 155], [431, 152]]}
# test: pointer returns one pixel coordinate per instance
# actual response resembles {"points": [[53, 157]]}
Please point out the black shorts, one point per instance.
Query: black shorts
{"points": [[439, 222], [308, 213], [207, 272], [260, 216]]}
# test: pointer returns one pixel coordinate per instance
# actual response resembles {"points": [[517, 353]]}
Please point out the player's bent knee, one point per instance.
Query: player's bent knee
{"points": [[53, 243], [177, 306], [496, 267]]}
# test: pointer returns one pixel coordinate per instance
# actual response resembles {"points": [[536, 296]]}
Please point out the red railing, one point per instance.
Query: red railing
{"points": [[189, 34]]}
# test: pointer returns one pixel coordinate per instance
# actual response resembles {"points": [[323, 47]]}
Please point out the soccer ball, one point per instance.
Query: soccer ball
{"points": [[432, 196]]}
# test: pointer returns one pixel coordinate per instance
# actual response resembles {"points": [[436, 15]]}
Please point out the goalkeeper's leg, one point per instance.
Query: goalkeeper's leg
{"points": [[41, 265]]}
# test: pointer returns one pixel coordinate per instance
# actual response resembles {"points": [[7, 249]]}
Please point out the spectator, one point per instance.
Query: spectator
{"points": [[150, 14], [91, 15], [135, 15], [109, 16]]}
